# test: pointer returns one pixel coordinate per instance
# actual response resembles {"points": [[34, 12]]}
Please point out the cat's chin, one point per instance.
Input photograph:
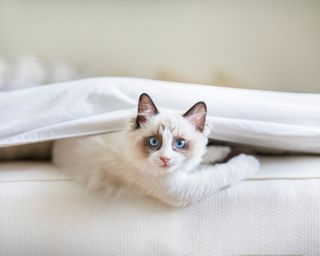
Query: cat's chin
{"points": [[159, 170], [163, 170]]}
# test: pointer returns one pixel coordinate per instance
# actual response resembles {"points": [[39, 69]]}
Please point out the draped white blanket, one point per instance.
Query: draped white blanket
{"points": [[276, 120]]}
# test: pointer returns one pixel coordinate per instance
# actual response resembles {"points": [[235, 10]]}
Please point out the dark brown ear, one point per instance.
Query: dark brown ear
{"points": [[146, 109], [197, 115]]}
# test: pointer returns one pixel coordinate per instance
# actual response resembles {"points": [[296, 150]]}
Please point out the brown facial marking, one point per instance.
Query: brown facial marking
{"points": [[186, 151], [145, 148]]}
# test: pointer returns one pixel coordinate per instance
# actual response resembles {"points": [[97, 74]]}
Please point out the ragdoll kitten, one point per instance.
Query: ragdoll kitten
{"points": [[159, 155]]}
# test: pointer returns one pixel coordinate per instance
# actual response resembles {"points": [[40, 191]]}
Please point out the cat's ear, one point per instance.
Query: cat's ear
{"points": [[197, 115], [146, 109]]}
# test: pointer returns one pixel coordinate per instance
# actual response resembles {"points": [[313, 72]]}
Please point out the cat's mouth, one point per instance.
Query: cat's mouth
{"points": [[165, 165]]}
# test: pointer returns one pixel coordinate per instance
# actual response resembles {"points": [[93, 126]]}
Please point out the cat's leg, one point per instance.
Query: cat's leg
{"points": [[185, 188], [215, 154]]}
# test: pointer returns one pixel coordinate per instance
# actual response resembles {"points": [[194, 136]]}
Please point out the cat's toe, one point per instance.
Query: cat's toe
{"points": [[253, 164], [225, 150], [249, 164]]}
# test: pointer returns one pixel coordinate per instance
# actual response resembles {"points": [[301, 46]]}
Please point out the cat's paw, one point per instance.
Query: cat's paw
{"points": [[215, 154], [245, 166]]}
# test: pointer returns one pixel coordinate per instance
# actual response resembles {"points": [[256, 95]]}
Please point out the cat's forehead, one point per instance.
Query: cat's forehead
{"points": [[168, 122]]}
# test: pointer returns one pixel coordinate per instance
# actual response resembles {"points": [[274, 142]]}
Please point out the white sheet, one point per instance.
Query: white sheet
{"points": [[270, 119], [43, 212]]}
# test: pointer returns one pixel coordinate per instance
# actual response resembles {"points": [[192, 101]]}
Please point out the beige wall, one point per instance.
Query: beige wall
{"points": [[253, 44]]}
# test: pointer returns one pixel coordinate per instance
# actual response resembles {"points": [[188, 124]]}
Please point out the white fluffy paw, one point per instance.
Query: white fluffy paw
{"points": [[245, 166], [215, 154]]}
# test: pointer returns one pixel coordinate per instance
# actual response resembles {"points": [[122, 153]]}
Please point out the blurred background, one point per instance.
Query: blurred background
{"points": [[272, 45]]}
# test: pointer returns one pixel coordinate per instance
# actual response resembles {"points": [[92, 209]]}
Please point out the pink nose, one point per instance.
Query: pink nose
{"points": [[164, 159]]}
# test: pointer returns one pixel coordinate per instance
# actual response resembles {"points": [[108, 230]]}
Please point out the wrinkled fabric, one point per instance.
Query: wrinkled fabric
{"points": [[276, 120]]}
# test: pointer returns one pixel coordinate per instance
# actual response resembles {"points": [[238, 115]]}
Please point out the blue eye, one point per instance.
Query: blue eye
{"points": [[154, 142], [180, 143]]}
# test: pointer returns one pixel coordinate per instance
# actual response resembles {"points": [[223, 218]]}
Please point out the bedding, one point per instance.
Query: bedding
{"points": [[44, 212], [276, 212], [285, 121]]}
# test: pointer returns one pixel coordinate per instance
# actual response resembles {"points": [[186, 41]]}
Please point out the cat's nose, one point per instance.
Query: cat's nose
{"points": [[164, 159]]}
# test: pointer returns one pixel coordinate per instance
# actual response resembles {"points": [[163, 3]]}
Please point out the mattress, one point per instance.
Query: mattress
{"points": [[276, 212]]}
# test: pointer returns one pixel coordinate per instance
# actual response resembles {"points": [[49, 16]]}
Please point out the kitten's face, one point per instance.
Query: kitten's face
{"points": [[161, 143]]}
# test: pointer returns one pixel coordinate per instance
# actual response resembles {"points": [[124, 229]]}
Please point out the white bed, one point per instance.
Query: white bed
{"points": [[43, 212]]}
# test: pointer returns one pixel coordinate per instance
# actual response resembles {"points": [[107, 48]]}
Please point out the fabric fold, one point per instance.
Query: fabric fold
{"points": [[276, 120]]}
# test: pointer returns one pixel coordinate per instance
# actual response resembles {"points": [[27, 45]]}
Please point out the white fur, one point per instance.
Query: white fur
{"points": [[114, 160]]}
